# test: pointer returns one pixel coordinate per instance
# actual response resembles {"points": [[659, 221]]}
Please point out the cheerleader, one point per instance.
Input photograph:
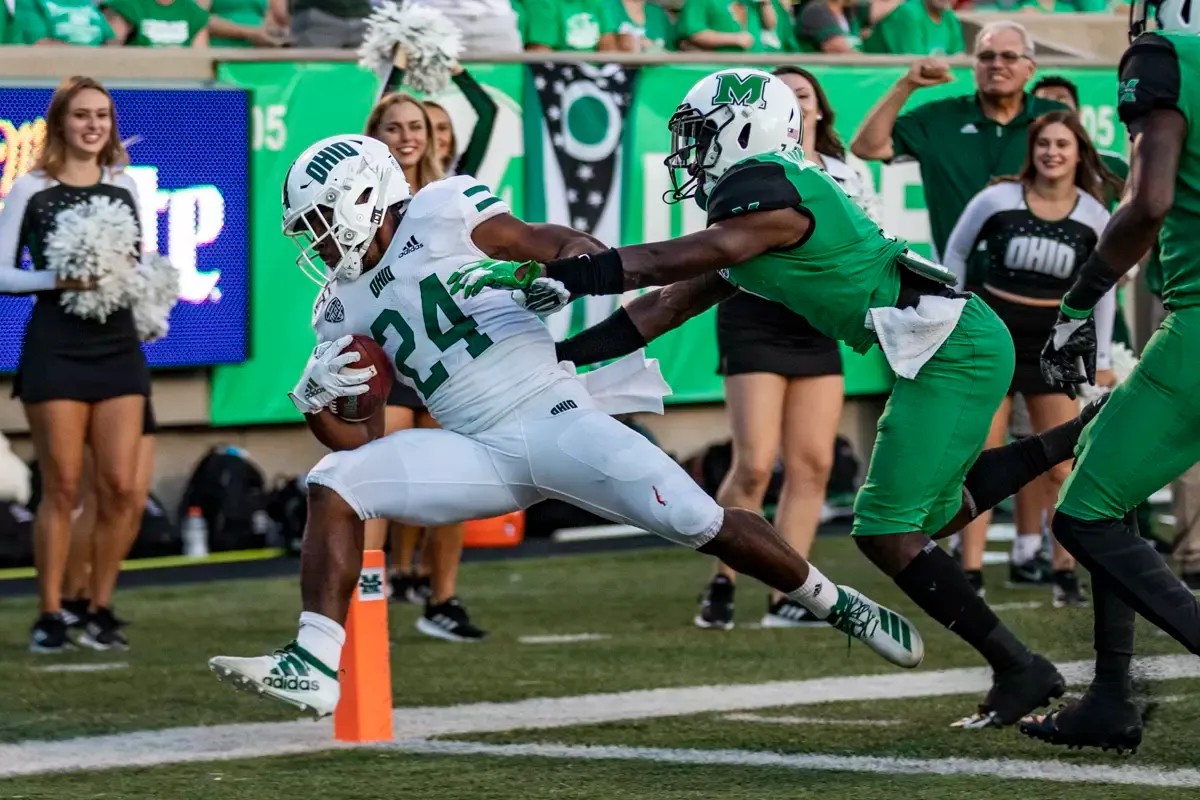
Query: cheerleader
{"points": [[1033, 231], [83, 383], [783, 388]]}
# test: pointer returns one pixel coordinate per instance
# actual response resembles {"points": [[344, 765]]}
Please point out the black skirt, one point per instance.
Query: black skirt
{"points": [[1029, 326], [64, 357], [404, 396], [759, 335]]}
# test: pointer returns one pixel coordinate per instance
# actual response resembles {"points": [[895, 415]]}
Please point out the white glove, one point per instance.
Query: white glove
{"points": [[544, 297], [325, 379]]}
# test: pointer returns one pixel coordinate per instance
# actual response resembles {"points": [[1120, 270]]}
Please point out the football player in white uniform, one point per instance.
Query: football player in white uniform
{"points": [[518, 427]]}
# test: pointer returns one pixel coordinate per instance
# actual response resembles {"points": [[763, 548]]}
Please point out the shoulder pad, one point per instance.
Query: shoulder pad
{"points": [[753, 186]]}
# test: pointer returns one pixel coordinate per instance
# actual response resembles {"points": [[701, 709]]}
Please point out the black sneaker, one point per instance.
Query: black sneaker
{"points": [[1094, 720], [1067, 590], [75, 612], [412, 589], [1034, 572], [975, 578], [449, 621], [49, 635], [1016, 693], [104, 631], [716, 605], [787, 613]]}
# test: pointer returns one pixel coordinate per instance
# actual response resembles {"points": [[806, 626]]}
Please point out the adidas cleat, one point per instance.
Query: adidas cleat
{"points": [[881, 629], [291, 675], [716, 605], [1015, 693], [449, 622], [787, 613], [1091, 721]]}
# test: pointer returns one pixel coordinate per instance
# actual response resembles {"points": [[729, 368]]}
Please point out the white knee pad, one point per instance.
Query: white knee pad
{"points": [[694, 524], [331, 472]]}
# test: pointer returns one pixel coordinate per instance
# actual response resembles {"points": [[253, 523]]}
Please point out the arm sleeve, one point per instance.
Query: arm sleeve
{"points": [[817, 22], [13, 279], [692, 19], [752, 186], [910, 134], [966, 233], [485, 109], [1150, 79], [30, 22]]}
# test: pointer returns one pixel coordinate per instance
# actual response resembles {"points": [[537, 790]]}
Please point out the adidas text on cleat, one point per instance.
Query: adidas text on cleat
{"points": [[291, 675], [1016, 693], [716, 606], [449, 622], [787, 613], [881, 629], [1091, 721]]}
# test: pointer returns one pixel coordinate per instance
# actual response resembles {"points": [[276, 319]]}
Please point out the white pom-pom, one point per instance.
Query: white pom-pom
{"points": [[430, 40], [1123, 363], [96, 240], [158, 295]]}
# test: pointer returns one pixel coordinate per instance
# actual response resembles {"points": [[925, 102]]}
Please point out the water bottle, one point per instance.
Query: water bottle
{"points": [[195, 534]]}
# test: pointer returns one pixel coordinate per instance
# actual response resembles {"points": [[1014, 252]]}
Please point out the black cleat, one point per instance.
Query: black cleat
{"points": [[449, 622], [414, 590], [787, 613], [1068, 591], [1034, 572], [1016, 693], [104, 631], [49, 635], [1095, 720], [716, 605]]}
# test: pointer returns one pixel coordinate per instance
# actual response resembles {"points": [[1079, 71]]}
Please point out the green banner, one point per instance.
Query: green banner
{"points": [[297, 104], [294, 106]]}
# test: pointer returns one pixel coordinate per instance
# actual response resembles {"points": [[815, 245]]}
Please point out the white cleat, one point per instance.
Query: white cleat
{"points": [[879, 628], [290, 675]]}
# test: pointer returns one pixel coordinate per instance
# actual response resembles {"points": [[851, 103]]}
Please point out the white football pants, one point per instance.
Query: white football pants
{"points": [[556, 445]]}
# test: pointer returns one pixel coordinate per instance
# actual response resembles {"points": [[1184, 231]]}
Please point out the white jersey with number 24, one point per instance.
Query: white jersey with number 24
{"points": [[471, 359]]}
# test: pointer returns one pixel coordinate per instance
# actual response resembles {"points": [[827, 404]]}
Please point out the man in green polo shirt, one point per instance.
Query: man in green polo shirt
{"points": [[960, 142]]}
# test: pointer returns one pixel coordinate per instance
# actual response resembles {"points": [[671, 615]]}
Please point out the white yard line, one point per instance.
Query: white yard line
{"points": [[789, 720], [99, 666], [564, 638], [1010, 769], [223, 742]]}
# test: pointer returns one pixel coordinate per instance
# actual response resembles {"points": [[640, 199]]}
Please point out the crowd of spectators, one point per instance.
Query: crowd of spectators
{"points": [[913, 27]]}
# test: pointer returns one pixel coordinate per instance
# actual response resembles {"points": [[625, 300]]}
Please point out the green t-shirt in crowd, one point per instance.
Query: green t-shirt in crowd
{"points": [[156, 25], [568, 24], [657, 31], [71, 21], [817, 23], [251, 13], [783, 38], [909, 30], [960, 150], [8, 28], [714, 15]]}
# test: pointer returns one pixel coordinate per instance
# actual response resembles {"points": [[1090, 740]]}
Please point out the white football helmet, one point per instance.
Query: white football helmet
{"points": [[725, 118], [1170, 15], [334, 198]]}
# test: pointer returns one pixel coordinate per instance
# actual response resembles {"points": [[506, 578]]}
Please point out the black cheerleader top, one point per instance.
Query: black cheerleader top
{"points": [[27, 220]]}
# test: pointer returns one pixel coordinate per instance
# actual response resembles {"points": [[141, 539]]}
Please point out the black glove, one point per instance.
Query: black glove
{"points": [[1069, 356]]}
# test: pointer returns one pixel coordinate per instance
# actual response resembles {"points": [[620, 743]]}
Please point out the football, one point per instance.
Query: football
{"points": [[360, 408]]}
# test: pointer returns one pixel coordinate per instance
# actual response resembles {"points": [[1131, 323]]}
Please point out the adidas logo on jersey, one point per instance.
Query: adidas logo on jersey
{"points": [[565, 405], [411, 246], [334, 311], [969, 128]]}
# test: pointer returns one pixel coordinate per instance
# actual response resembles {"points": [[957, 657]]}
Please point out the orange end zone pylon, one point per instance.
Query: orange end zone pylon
{"points": [[364, 713]]}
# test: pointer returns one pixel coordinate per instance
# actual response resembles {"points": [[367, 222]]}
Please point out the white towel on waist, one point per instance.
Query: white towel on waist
{"points": [[629, 385], [910, 336]]}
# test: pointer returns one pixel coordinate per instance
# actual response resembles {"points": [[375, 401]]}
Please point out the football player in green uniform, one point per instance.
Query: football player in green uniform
{"points": [[1149, 432], [781, 228]]}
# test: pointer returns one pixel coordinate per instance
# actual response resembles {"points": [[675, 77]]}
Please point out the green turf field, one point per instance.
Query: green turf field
{"points": [[794, 745]]}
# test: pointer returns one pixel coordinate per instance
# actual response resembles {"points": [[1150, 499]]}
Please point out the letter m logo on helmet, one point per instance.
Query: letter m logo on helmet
{"points": [[736, 90]]}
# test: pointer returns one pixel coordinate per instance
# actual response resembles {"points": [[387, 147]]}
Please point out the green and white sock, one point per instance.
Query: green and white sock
{"points": [[322, 638]]}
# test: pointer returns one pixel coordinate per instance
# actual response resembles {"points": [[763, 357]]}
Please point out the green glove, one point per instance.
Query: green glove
{"points": [[473, 278]]}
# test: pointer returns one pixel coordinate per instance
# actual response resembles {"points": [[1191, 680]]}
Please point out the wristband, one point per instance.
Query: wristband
{"points": [[614, 337], [1095, 280], [589, 274]]}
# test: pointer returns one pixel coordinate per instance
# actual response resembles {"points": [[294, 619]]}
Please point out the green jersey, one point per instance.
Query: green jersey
{"points": [[844, 267], [172, 24], [910, 30], [71, 21], [1162, 70]]}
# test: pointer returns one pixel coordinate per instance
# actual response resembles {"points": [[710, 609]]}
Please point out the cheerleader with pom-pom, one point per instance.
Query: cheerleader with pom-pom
{"points": [[83, 379]]}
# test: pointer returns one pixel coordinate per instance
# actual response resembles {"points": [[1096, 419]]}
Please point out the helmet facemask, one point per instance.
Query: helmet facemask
{"points": [[694, 148], [1139, 13], [341, 227]]}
